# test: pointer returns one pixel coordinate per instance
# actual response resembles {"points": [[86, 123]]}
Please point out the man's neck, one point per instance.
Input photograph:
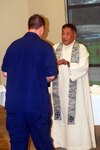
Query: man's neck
{"points": [[34, 31]]}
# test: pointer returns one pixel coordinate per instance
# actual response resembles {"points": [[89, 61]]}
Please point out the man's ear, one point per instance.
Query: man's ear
{"points": [[41, 31]]}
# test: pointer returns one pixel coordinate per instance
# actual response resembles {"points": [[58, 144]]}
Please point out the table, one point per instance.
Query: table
{"points": [[96, 108], [2, 95]]}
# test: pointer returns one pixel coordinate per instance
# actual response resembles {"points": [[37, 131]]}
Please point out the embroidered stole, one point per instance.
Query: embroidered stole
{"points": [[72, 88]]}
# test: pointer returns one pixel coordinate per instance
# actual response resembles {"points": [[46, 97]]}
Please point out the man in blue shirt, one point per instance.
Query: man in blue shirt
{"points": [[29, 64]]}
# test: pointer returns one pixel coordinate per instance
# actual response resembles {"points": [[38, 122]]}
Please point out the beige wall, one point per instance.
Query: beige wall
{"points": [[14, 15], [54, 10]]}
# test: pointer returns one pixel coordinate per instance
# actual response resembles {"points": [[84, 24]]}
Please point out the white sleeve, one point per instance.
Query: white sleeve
{"points": [[77, 70]]}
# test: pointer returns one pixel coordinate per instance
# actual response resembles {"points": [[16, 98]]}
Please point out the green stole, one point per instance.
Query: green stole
{"points": [[72, 87]]}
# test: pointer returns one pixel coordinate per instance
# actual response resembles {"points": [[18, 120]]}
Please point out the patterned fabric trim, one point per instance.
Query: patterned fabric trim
{"points": [[55, 90], [56, 100], [73, 87]]}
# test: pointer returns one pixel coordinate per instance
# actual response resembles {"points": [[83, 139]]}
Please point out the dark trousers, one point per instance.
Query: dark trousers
{"points": [[21, 125]]}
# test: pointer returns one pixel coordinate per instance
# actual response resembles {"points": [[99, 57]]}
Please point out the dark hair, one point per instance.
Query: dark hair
{"points": [[69, 25], [36, 21]]}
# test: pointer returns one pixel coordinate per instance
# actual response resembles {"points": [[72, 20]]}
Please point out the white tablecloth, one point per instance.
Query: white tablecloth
{"points": [[2, 95], [96, 108], [95, 93]]}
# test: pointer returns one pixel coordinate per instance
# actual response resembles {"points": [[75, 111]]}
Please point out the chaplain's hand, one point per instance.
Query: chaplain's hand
{"points": [[63, 62]]}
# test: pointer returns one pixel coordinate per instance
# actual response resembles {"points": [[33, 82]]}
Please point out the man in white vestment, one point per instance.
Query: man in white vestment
{"points": [[73, 126]]}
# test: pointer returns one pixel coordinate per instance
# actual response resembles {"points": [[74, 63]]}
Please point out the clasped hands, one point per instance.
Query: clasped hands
{"points": [[63, 62]]}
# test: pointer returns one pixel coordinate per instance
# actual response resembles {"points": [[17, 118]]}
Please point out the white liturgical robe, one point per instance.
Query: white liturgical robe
{"points": [[80, 135]]}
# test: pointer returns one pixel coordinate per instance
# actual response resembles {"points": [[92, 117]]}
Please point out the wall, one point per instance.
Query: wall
{"points": [[13, 17], [54, 11]]}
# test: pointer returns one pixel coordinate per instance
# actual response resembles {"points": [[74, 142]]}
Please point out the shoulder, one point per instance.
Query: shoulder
{"points": [[55, 45], [46, 45], [82, 46], [15, 42], [83, 49]]}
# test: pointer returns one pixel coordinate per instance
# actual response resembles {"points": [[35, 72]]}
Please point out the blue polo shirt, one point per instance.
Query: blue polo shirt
{"points": [[27, 62]]}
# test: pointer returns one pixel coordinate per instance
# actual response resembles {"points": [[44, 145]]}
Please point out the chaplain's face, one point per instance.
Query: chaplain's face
{"points": [[68, 35]]}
